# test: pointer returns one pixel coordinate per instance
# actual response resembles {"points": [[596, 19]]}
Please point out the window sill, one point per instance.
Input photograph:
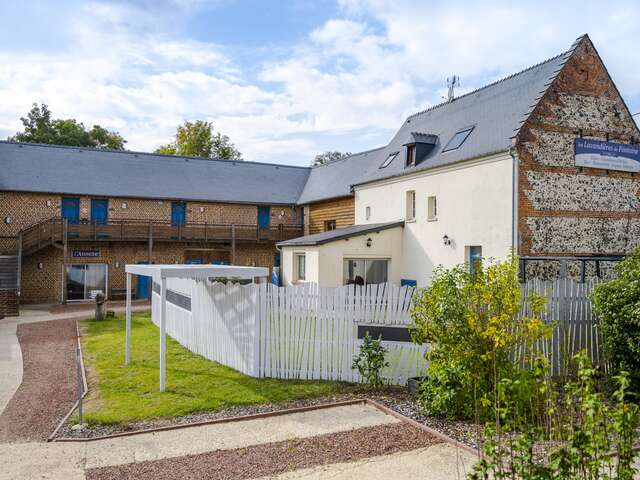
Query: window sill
{"points": [[410, 220], [434, 219]]}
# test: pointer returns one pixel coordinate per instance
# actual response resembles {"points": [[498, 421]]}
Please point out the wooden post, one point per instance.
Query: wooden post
{"points": [[233, 244], [150, 242], [205, 231], [127, 343], [65, 231], [163, 333]]}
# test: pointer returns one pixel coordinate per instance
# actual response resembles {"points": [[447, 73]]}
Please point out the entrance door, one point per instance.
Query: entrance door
{"points": [[99, 210], [264, 217], [71, 209], [142, 284], [85, 281], [178, 214]]}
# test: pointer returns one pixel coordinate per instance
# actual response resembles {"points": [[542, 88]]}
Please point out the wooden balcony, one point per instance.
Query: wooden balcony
{"points": [[53, 231]]}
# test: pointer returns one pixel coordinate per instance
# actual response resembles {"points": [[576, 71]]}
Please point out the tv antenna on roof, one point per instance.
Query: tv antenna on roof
{"points": [[452, 83]]}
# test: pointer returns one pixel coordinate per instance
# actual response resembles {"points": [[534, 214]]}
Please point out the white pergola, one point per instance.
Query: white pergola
{"points": [[159, 275]]}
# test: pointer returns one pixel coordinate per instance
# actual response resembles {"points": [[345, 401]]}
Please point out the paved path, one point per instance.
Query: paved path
{"points": [[68, 460], [438, 462]]}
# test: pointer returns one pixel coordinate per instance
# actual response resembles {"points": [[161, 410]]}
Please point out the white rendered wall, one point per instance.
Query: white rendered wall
{"points": [[325, 262], [474, 208]]}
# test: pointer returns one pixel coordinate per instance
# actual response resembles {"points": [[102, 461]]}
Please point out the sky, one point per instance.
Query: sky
{"points": [[284, 80]]}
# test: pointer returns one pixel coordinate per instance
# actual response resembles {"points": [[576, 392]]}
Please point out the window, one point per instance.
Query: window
{"points": [[458, 139], [367, 213], [432, 209], [300, 266], [411, 205], [389, 159], [329, 225], [411, 156], [365, 271]]}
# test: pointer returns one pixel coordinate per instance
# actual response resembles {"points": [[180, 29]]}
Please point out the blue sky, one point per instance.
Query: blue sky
{"points": [[285, 80]]}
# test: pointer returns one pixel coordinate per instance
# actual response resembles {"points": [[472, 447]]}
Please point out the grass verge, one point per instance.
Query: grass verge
{"points": [[120, 394]]}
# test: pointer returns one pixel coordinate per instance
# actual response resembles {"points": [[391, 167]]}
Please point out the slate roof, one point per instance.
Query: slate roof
{"points": [[339, 234], [495, 111], [87, 171]]}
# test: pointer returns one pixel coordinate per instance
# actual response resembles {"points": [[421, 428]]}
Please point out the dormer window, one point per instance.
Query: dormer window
{"points": [[389, 159], [458, 139], [411, 156]]}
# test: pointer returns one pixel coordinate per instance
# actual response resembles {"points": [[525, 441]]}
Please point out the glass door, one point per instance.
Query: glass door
{"points": [[85, 281]]}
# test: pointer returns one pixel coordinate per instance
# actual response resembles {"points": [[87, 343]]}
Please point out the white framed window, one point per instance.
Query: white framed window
{"points": [[365, 271], [367, 213], [410, 206], [432, 208], [410, 161], [300, 265]]}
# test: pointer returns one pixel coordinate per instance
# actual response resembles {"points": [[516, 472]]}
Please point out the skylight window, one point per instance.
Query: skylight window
{"points": [[389, 159], [458, 139]]}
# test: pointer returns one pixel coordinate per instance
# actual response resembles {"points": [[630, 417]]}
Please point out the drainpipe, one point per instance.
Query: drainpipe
{"points": [[514, 199]]}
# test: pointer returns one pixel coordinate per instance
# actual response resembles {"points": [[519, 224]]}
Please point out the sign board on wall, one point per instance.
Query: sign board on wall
{"points": [[607, 155], [85, 253]]}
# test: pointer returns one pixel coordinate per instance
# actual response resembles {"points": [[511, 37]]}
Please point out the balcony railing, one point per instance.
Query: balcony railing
{"points": [[53, 230]]}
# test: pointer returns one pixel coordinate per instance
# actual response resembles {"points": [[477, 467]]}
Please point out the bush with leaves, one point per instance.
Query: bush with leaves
{"points": [[617, 304], [371, 360], [472, 325], [589, 438]]}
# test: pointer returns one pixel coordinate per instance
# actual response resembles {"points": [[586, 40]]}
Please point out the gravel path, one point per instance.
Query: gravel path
{"points": [[47, 391], [276, 458]]}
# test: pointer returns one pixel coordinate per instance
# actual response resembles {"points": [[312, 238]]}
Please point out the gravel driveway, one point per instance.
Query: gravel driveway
{"points": [[47, 391]]}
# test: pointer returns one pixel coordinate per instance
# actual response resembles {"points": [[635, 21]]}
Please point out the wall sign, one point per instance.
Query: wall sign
{"points": [[607, 155], [85, 253]]}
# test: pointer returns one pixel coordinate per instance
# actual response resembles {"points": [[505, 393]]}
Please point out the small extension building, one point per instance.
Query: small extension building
{"points": [[543, 163]]}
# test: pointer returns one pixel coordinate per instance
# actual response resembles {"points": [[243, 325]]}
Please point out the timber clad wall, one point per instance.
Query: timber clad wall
{"points": [[564, 209], [341, 210]]}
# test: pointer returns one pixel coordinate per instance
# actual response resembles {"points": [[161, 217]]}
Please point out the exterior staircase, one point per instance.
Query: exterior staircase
{"points": [[9, 285]]}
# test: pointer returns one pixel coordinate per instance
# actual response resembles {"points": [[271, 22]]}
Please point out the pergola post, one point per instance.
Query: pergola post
{"points": [[127, 344], [163, 332]]}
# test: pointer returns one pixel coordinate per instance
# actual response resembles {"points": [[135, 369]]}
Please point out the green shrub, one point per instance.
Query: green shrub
{"points": [[371, 360], [473, 328], [617, 304], [590, 439]]}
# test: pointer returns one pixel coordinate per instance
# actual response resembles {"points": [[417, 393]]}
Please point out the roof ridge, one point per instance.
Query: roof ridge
{"points": [[501, 80], [138, 153], [348, 157]]}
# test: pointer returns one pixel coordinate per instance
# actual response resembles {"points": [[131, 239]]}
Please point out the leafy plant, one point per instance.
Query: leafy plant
{"points": [[476, 336], [371, 360], [617, 304], [592, 439]]}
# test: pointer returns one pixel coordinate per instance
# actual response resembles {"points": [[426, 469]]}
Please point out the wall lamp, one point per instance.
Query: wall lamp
{"points": [[446, 240], [369, 242]]}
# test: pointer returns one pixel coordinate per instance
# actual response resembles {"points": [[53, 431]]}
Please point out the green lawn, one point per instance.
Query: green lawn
{"points": [[122, 394]]}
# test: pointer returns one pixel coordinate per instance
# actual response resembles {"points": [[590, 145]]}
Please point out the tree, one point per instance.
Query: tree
{"points": [[328, 156], [617, 304], [39, 127], [197, 139]]}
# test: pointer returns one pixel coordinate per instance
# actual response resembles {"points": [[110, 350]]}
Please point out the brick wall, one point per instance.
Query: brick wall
{"points": [[564, 209], [43, 283]]}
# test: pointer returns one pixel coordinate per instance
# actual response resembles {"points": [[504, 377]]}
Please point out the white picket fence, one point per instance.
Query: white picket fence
{"points": [[311, 332], [301, 332], [576, 325]]}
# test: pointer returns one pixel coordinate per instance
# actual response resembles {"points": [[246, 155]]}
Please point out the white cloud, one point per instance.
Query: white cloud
{"points": [[348, 85]]}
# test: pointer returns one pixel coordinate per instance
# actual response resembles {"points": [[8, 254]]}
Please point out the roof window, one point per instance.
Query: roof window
{"points": [[389, 159], [458, 139]]}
